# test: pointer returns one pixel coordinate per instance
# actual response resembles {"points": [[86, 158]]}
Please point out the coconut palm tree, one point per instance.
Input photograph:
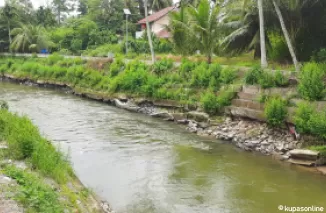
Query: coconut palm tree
{"points": [[30, 38], [263, 56], [8, 13], [205, 27], [178, 27], [160, 4], [287, 36]]}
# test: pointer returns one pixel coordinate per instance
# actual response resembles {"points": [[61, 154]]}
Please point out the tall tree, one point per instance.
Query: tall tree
{"points": [[204, 25], [263, 56], [287, 36], [9, 13], [61, 8], [45, 17], [149, 36], [30, 38], [160, 4]]}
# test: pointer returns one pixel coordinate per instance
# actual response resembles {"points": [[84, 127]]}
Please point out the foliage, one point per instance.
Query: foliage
{"points": [[162, 66], [311, 85], [24, 141], [280, 79], [266, 80], [35, 195], [252, 76], [317, 124], [228, 75], [302, 117], [30, 38], [320, 149], [210, 103], [275, 111], [4, 105]]}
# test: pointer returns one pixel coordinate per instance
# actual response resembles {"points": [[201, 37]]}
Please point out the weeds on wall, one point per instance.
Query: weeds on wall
{"points": [[275, 111]]}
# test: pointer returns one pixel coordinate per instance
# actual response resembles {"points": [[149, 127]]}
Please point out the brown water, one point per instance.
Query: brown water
{"points": [[144, 165]]}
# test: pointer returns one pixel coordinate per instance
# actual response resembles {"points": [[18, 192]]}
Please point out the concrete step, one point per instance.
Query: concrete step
{"points": [[247, 104], [248, 96], [251, 89], [245, 113]]}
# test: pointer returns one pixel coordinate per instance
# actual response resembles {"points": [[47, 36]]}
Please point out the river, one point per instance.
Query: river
{"points": [[141, 164]]}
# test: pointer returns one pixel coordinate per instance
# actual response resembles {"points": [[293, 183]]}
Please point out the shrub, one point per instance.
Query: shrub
{"points": [[280, 79], [228, 75], [54, 58], [162, 66], [252, 76], [275, 111], [317, 124], [186, 67], [210, 103], [302, 117], [203, 73], [311, 85], [266, 80], [116, 67]]}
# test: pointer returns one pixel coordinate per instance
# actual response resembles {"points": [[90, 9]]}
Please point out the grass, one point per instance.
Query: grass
{"points": [[48, 185], [26, 143], [160, 81]]}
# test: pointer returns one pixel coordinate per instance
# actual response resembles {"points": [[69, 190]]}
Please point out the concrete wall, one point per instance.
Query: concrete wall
{"points": [[160, 24]]}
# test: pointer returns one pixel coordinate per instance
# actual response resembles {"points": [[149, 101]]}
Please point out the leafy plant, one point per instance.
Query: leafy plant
{"points": [[209, 102], [275, 111], [311, 85], [317, 124], [228, 75], [302, 116], [162, 66], [280, 79], [252, 76]]}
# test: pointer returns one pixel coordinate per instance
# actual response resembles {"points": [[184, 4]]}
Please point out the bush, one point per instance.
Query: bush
{"points": [[302, 117], [54, 58], [317, 124], [280, 79], [186, 67], [252, 77], [116, 67], [203, 73], [210, 103], [228, 75], [320, 149], [311, 85], [266, 80], [162, 66], [275, 111]]}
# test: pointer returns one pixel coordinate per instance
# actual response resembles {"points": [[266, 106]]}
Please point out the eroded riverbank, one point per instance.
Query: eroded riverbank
{"points": [[141, 164]]}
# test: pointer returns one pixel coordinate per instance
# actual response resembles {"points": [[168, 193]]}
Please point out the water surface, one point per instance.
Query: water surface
{"points": [[144, 165]]}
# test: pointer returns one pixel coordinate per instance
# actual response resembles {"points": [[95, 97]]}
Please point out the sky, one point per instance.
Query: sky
{"points": [[36, 3]]}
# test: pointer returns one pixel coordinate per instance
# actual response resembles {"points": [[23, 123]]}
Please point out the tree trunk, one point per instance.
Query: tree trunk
{"points": [[264, 63], [9, 32], [149, 34], [209, 59], [287, 37]]}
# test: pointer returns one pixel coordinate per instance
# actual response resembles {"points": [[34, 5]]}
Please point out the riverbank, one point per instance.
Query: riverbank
{"points": [[246, 134], [34, 176], [190, 92]]}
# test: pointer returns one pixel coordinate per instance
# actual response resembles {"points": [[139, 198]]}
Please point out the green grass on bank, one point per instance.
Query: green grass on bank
{"points": [[48, 184], [26, 143]]}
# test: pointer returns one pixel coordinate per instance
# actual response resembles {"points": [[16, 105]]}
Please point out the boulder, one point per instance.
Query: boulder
{"points": [[198, 116], [126, 106], [164, 115], [304, 154]]}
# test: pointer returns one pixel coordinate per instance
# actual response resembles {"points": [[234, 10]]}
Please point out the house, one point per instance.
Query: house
{"points": [[158, 22]]}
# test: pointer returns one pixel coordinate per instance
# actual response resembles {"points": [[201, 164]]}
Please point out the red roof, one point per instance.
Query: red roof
{"points": [[156, 16]]}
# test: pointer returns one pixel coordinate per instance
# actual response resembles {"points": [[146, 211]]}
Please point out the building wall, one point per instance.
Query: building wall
{"points": [[160, 24]]}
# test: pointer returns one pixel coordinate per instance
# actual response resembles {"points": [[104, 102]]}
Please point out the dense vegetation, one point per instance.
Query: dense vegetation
{"points": [[99, 28]]}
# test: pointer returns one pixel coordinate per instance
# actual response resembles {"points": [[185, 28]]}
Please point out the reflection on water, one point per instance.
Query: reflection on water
{"points": [[143, 165]]}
